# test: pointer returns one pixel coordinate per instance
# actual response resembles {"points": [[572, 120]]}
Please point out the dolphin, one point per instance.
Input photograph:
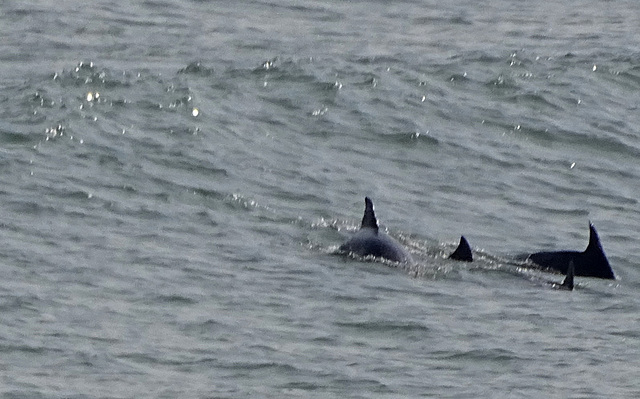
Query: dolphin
{"points": [[369, 240], [590, 263], [463, 252]]}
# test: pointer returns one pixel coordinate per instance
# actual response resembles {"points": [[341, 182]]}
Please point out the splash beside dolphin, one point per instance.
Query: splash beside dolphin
{"points": [[370, 241], [592, 262]]}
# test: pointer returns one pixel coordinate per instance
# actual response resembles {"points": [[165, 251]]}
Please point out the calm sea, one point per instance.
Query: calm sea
{"points": [[176, 175]]}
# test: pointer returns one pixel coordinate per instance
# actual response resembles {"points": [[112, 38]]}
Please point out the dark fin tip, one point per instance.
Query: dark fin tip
{"points": [[463, 252], [594, 240], [369, 218]]}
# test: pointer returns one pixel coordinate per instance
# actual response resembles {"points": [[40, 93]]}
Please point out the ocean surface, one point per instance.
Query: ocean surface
{"points": [[176, 177]]}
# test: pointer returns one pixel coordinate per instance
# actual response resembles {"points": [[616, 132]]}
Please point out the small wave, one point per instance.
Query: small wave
{"points": [[497, 355], [87, 73], [411, 138], [444, 19], [385, 326], [174, 299], [197, 69], [536, 101], [502, 83], [253, 366], [9, 137]]}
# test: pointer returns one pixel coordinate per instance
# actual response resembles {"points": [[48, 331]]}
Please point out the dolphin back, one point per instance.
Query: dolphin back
{"points": [[369, 241], [591, 263]]}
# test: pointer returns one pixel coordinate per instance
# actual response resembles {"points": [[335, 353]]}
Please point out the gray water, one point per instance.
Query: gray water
{"points": [[176, 176]]}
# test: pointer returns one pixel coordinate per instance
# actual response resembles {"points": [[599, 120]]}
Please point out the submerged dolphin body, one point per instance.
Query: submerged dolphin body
{"points": [[370, 241], [592, 262]]}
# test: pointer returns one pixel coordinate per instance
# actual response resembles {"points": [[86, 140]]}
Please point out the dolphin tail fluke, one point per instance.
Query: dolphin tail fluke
{"points": [[369, 218], [568, 280], [463, 252]]}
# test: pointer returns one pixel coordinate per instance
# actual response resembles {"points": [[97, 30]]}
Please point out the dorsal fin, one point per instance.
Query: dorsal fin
{"points": [[463, 252], [369, 218], [594, 261], [594, 240], [568, 280]]}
